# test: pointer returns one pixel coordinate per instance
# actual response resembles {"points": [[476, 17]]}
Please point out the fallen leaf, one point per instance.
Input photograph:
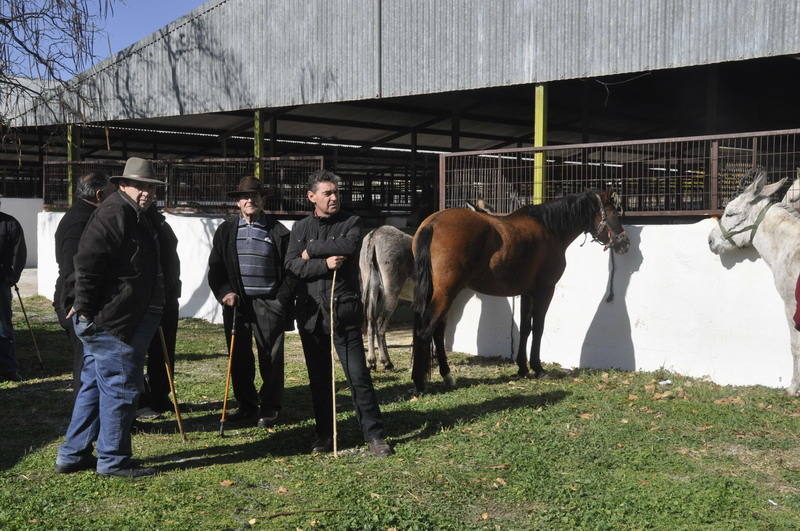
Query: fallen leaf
{"points": [[391, 529], [227, 483], [704, 427], [314, 523], [762, 405], [633, 397], [650, 388], [604, 376], [252, 521], [374, 495], [662, 396], [34, 521], [282, 490], [413, 398], [499, 482], [501, 466], [281, 459], [624, 421], [795, 415], [586, 416], [573, 488], [730, 400], [485, 516]]}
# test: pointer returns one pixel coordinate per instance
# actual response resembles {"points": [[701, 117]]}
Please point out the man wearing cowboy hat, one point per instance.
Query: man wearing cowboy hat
{"points": [[246, 274], [119, 299]]}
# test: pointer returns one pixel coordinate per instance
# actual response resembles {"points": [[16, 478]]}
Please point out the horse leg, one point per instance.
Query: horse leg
{"points": [[370, 343], [540, 304], [441, 355], [525, 304], [794, 386], [383, 348]]}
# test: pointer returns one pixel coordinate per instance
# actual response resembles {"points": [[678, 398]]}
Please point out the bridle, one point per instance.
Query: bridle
{"points": [[604, 226], [728, 235]]}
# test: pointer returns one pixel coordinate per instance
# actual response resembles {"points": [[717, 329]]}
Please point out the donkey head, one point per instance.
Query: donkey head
{"points": [[742, 215], [608, 228]]}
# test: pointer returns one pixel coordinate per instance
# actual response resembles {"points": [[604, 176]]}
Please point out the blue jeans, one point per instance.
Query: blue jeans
{"points": [[8, 356], [105, 407]]}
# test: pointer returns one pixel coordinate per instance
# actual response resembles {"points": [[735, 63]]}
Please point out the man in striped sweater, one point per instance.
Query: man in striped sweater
{"points": [[246, 274]]}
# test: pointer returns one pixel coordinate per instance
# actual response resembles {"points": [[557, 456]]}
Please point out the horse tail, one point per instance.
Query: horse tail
{"points": [[423, 289], [370, 277]]}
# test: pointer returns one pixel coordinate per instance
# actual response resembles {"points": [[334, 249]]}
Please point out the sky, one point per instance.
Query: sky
{"points": [[133, 20]]}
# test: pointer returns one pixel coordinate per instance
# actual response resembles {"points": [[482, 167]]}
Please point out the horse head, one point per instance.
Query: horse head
{"points": [[743, 214], [608, 228]]}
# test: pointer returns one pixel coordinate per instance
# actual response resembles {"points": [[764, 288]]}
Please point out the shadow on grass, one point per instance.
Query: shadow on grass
{"points": [[403, 426]]}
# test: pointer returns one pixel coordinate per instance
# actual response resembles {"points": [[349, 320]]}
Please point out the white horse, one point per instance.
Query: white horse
{"points": [[773, 229]]}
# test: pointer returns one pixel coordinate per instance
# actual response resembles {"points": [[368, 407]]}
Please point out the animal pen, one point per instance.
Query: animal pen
{"points": [[690, 176]]}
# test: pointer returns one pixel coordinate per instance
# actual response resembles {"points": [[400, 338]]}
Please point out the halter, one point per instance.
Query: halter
{"points": [[728, 235], [604, 226]]}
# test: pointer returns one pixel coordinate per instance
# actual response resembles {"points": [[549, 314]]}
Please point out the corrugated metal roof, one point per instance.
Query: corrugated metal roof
{"points": [[243, 54]]}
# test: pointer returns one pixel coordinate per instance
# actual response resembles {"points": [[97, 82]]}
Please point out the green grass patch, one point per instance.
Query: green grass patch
{"points": [[586, 449]]}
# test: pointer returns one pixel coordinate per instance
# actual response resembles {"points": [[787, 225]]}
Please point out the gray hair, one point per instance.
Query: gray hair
{"points": [[321, 176], [90, 184]]}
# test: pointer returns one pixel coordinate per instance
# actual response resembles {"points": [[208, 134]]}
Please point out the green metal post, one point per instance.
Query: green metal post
{"points": [[539, 139]]}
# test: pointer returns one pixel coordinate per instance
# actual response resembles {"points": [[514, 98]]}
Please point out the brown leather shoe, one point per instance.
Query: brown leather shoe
{"points": [[379, 448]]}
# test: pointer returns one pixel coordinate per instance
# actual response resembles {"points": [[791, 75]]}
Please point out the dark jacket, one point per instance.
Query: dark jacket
{"points": [[68, 234], [168, 253], [13, 252], [116, 267], [338, 235], [223, 263]]}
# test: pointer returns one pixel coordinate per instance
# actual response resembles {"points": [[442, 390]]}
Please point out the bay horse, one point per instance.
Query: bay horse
{"points": [[754, 219], [386, 264], [518, 254]]}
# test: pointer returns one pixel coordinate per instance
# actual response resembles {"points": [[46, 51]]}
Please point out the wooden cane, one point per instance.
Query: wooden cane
{"points": [[333, 369], [228, 377], [33, 336], [171, 384]]}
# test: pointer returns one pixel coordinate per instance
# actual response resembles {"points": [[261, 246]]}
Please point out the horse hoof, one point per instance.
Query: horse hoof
{"points": [[449, 380], [540, 374], [388, 367], [372, 367], [523, 373], [793, 390]]}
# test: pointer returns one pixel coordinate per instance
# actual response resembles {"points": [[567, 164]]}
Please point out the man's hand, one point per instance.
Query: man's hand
{"points": [[231, 299], [305, 255], [335, 262], [71, 313]]}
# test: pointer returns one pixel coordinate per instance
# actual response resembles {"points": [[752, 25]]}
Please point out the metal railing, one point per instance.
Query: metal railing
{"points": [[201, 184], [661, 177]]}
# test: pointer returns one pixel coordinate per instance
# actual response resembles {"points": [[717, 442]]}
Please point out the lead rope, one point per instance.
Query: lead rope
{"points": [[333, 368], [610, 296]]}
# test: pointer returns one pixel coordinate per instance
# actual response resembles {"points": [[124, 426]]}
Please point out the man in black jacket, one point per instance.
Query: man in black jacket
{"points": [[92, 189], [246, 274], [119, 299], [328, 240], [13, 254]]}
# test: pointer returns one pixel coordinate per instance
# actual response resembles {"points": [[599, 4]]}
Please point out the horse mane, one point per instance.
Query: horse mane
{"points": [[565, 215]]}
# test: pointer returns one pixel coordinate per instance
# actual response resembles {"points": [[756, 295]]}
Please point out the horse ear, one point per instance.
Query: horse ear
{"points": [[793, 193], [758, 183], [773, 188]]}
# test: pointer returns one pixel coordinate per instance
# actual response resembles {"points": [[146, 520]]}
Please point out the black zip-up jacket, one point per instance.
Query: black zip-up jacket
{"points": [[13, 252], [223, 263], [337, 235], [168, 251], [68, 234], [116, 267]]}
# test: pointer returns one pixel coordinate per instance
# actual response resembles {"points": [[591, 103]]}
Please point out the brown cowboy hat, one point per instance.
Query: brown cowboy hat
{"points": [[248, 185], [139, 170]]}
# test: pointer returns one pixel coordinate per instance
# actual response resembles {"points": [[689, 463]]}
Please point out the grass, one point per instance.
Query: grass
{"points": [[585, 450]]}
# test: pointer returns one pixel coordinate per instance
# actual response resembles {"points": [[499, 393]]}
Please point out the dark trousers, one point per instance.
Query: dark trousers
{"points": [[264, 318], [156, 389], [350, 347], [77, 351], [8, 354]]}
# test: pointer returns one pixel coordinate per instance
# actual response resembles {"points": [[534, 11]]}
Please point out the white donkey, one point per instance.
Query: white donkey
{"points": [[773, 229]]}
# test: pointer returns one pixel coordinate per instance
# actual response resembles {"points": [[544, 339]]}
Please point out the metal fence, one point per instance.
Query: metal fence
{"points": [[201, 184], [20, 182], [662, 177]]}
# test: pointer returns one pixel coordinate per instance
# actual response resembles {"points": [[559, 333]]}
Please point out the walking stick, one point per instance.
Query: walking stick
{"points": [[171, 384], [228, 377], [333, 368], [33, 337]]}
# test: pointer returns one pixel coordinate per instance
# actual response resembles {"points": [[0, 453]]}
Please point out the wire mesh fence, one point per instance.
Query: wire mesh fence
{"points": [[20, 182], [201, 184], [664, 177]]}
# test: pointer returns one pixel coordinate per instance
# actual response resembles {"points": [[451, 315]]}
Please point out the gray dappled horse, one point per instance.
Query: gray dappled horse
{"points": [[386, 264]]}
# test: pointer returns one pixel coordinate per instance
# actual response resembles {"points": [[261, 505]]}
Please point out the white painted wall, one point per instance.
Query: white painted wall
{"points": [[676, 305], [195, 234], [25, 210]]}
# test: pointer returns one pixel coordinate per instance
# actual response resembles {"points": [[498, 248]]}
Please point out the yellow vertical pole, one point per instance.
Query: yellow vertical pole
{"points": [[258, 142], [539, 139], [70, 159]]}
